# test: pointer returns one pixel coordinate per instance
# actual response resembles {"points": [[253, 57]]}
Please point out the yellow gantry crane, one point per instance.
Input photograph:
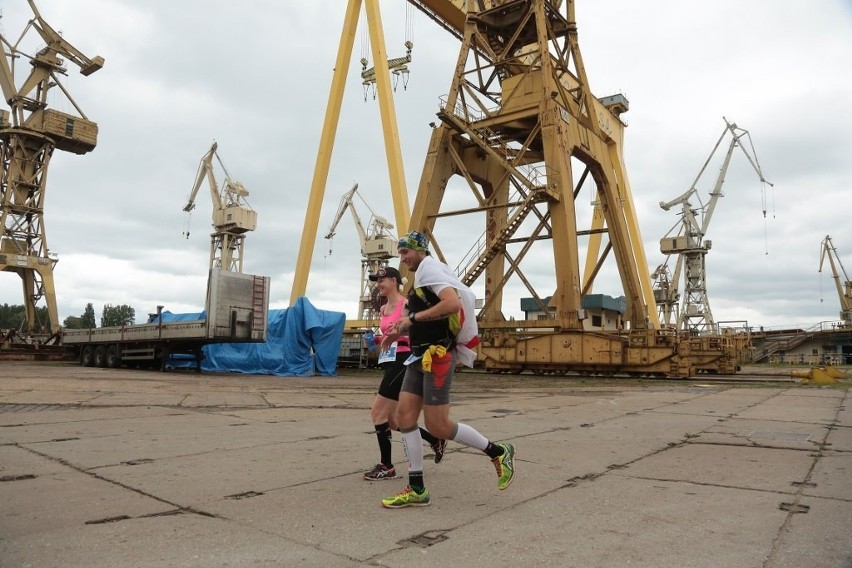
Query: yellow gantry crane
{"points": [[233, 217], [378, 246], [521, 130], [844, 285], [29, 133]]}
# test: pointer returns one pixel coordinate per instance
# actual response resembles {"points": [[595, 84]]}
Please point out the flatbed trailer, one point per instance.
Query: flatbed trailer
{"points": [[236, 312]]}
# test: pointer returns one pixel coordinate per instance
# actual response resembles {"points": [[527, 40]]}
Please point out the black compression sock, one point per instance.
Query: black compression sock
{"points": [[415, 481], [384, 436], [426, 435], [494, 450]]}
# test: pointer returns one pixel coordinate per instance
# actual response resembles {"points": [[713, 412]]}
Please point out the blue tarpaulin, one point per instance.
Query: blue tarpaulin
{"points": [[301, 341]]}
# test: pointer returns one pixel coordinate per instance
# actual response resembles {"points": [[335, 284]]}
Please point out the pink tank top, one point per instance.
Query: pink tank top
{"points": [[389, 320]]}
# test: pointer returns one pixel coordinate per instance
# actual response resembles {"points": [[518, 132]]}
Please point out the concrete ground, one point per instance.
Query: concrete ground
{"points": [[105, 468]]}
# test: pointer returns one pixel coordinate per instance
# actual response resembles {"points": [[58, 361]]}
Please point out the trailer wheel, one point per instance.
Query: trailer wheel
{"points": [[87, 356], [113, 356], [100, 356]]}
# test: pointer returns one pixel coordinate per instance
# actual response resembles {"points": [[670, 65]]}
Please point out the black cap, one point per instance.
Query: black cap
{"points": [[387, 272]]}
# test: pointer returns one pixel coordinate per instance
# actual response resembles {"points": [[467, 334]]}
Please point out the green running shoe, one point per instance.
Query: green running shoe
{"points": [[407, 498], [505, 466]]}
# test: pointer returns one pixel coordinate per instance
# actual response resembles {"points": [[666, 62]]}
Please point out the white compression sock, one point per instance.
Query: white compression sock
{"points": [[413, 444], [470, 437]]}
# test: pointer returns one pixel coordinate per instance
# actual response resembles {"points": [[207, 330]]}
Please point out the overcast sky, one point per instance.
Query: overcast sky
{"points": [[255, 76]]}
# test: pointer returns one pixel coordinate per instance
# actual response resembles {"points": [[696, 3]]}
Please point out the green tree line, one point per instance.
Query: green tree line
{"points": [[14, 316]]}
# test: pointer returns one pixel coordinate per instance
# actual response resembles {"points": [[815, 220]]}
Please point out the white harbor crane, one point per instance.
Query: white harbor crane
{"points": [[686, 240], [844, 287], [233, 217], [378, 246]]}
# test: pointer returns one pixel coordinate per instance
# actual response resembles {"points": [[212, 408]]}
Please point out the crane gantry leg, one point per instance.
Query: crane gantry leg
{"points": [[24, 158], [390, 131]]}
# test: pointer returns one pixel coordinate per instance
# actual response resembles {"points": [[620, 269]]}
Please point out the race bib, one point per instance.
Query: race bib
{"points": [[389, 354], [412, 358]]}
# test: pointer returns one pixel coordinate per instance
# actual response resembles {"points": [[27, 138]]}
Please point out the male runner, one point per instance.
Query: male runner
{"points": [[441, 324]]}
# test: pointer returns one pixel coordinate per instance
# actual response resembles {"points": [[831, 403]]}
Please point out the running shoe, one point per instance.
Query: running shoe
{"points": [[381, 471], [407, 498], [505, 466], [439, 447]]}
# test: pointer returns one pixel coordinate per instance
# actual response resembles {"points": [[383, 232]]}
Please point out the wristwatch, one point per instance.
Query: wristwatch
{"points": [[411, 316]]}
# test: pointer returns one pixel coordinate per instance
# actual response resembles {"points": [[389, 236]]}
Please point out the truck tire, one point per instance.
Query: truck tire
{"points": [[87, 356], [113, 356], [100, 356]]}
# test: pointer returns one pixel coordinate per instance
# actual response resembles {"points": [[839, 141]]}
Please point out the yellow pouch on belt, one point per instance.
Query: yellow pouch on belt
{"points": [[438, 350]]}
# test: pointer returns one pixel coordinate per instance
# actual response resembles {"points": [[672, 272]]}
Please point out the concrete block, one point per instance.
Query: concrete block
{"points": [[765, 469]]}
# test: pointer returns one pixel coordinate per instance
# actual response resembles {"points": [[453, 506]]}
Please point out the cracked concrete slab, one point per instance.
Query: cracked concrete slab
{"points": [[796, 407], [765, 469], [844, 416], [62, 496], [819, 537], [832, 477], [319, 400], [184, 540], [766, 433], [69, 414], [614, 521], [344, 515], [599, 447], [204, 400], [840, 439], [47, 397], [720, 404], [229, 473], [19, 464]]}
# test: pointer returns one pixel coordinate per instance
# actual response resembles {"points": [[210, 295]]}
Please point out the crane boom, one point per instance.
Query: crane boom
{"points": [[736, 135], [57, 43], [346, 203], [449, 14], [205, 170], [844, 288]]}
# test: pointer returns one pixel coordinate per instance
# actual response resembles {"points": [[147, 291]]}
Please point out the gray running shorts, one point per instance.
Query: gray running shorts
{"points": [[434, 386]]}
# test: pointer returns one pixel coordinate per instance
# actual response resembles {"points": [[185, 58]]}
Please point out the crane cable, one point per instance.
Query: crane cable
{"points": [[187, 221], [821, 296], [409, 23], [763, 183], [765, 224]]}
